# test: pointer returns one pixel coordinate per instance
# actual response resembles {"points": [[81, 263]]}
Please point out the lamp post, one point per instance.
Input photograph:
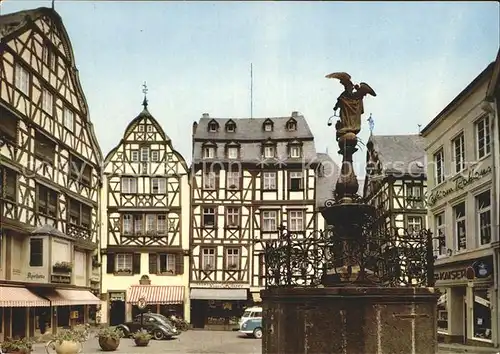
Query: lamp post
{"points": [[142, 304]]}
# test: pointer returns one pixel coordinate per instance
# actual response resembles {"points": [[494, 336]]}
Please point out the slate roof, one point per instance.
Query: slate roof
{"points": [[325, 182], [401, 154], [249, 133]]}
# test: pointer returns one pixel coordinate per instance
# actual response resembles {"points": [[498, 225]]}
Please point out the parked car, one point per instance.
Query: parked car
{"points": [[157, 325], [251, 322]]}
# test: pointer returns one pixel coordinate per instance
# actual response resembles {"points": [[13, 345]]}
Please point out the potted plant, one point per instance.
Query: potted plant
{"points": [[68, 341], [145, 280], [233, 266], [63, 267], [208, 266], [142, 338], [123, 272], [18, 346], [109, 338]]}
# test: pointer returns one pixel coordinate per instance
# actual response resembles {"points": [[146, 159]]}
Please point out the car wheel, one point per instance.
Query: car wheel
{"points": [[257, 333], [158, 335]]}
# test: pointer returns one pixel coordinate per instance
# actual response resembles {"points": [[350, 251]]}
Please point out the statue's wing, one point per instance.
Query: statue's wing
{"points": [[343, 77], [365, 89]]}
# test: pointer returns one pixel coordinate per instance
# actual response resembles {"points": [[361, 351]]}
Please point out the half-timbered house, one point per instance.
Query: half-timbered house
{"points": [[49, 159], [251, 180], [395, 181], [146, 205]]}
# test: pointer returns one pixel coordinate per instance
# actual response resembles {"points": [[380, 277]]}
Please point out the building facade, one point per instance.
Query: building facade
{"points": [[462, 215], [396, 181], [492, 107], [252, 179], [49, 159], [146, 207]]}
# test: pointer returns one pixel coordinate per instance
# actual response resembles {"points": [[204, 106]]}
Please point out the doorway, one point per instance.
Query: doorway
{"points": [[198, 313], [19, 322], [116, 312]]}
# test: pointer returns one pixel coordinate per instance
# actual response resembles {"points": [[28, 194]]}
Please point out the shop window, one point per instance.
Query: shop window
{"points": [[442, 311], [482, 314]]}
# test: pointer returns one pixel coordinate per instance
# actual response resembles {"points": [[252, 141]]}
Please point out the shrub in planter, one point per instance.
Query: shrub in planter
{"points": [[17, 346], [109, 338], [142, 338], [68, 341]]}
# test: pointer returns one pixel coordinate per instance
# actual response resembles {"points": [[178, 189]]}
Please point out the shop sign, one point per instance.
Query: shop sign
{"points": [[479, 269], [60, 279], [35, 276], [218, 285], [459, 183], [116, 297]]}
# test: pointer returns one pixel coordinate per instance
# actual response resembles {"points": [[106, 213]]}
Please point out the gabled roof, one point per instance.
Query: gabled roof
{"points": [[485, 74], [400, 154], [11, 23], [494, 84], [250, 129]]}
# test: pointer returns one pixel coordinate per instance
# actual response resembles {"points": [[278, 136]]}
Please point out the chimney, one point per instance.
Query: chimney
{"points": [[195, 125], [206, 115], [295, 114]]}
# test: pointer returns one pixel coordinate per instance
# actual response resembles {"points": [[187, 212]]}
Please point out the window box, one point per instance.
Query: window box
{"points": [[167, 272], [62, 267], [233, 266], [123, 272]]}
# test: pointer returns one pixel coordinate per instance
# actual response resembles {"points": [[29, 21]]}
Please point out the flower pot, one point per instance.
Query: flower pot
{"points": [[140, 342], [109, 344], [64, 347]]}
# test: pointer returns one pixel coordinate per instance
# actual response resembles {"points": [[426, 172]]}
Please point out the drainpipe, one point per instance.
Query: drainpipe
{"points": [[489, 108]]}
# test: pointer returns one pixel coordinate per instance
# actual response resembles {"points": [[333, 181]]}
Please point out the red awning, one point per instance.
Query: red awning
{"points": [[20, 297], [69, 297], [156, 294]]}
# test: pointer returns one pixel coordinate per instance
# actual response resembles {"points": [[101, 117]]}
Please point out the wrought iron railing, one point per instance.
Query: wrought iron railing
{"points": [[391, 258]]}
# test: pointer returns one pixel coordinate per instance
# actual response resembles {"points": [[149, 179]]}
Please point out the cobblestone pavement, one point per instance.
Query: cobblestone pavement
{"points": [[190, 342]]}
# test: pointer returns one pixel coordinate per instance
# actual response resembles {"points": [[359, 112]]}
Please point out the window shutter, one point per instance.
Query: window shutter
{"points": [[110, 265], [136, 263], [153, 263], [179, 264]]}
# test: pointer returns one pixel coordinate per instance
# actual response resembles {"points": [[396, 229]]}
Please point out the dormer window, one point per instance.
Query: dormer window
{"points": [[208, 152], [212, 127], [268, 127], [291, 125], [230, 126]]}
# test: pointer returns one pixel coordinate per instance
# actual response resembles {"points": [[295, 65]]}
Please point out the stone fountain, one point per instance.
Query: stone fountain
{"points": [[355, 287]]}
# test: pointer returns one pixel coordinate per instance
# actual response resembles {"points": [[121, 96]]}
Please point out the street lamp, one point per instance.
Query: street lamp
{"points": [[142, 304]]}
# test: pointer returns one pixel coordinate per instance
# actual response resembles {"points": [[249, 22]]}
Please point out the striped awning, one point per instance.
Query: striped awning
{"points": [[156, 294], [20, 297], [69, 297]]}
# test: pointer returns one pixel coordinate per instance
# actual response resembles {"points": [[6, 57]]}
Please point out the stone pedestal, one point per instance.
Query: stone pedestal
{"points": [[349, 320]]}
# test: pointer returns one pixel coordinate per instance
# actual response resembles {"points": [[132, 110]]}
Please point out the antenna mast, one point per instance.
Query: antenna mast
{"points": [[251, 90]]}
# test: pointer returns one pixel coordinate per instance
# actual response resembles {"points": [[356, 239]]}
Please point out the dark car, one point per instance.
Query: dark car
{"points": [[157, 325]]}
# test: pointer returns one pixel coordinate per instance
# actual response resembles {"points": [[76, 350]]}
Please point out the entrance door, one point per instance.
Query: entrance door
{"points": [[19, 322], [117, 313], [198, 313]]}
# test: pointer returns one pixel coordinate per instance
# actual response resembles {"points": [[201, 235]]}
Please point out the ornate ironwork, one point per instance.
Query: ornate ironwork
{"points": [[390, 258]]}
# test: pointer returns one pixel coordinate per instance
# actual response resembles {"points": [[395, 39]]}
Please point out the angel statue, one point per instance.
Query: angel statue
{"points": [[350, 103]]}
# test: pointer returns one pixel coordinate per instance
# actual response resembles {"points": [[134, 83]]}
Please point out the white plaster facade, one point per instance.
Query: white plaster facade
{"points": [[463, 215]]}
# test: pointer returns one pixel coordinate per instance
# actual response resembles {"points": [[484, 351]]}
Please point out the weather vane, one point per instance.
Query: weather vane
{"points": [[145, 91]]}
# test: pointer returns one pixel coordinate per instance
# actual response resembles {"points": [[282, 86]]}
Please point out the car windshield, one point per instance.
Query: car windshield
{"points": [[247, 314]]}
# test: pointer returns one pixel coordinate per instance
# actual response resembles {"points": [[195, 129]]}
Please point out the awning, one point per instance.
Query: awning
{"points": [[219, 294], [70, 297], [20, 297], [156, 294]]}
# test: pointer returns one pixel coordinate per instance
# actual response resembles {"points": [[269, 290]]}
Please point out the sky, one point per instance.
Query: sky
{"points": [[196, 57]]}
